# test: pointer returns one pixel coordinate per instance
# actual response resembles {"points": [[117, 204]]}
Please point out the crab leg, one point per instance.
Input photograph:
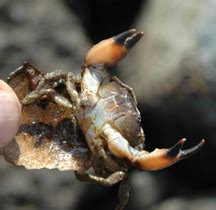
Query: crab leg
{"points": [[123, 193], [156, 160], [108, 181]]}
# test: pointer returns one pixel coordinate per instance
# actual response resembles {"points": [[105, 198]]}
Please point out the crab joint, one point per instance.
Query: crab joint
{"points": [[109, 51], [162, 158]]}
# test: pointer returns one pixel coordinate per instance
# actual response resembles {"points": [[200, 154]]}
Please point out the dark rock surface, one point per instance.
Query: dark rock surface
{"points": [[172, 71]]}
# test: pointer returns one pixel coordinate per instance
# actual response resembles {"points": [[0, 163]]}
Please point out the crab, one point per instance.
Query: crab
{"points": [[106, 111]]}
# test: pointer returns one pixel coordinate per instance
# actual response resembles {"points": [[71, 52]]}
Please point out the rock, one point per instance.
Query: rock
{"points": [[43, 33], [179, 203]]}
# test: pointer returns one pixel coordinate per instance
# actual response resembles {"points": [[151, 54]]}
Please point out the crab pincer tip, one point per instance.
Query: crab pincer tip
{"points": [[128, 38], [177, 152], [189, 152], [176, 149]]}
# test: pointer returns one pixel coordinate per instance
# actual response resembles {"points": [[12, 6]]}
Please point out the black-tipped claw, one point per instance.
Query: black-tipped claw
{"points": [[189, 152], [128, 38], [176, 151]]}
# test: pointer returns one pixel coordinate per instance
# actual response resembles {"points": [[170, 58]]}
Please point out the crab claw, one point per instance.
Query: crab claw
{"points": [[163, 158], [155, 160], [109, 51]]}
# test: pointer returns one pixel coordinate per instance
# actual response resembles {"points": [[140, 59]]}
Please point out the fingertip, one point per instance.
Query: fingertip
{"points": [[10, 113]]}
